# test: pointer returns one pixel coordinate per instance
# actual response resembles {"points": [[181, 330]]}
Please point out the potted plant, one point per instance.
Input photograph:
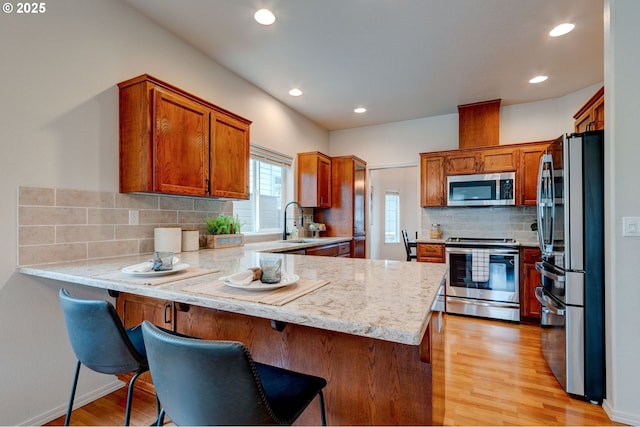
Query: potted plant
{"points": [[224, 232]]}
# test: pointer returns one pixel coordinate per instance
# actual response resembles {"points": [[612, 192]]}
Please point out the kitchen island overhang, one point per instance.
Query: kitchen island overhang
{"points": [[367, 331]]}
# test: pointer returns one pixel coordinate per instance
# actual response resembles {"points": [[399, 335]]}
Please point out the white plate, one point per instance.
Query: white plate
{"points": [[176, 268], [257, 285]]}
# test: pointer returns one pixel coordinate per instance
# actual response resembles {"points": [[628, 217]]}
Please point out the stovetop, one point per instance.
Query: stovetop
{"points": [[479, 241]]}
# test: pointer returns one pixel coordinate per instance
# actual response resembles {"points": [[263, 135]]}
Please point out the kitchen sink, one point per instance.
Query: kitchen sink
{"points": [[311, 240]]}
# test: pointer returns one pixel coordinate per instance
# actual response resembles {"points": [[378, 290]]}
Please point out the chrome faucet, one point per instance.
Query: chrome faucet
{"points": [[284, 232]]}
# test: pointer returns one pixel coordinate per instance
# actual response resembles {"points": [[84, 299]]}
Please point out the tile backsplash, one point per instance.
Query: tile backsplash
{"points": [[56, 225], [493, 222]]}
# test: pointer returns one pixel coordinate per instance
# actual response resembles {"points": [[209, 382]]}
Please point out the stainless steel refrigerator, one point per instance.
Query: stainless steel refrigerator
{"points": [[570, 210]]}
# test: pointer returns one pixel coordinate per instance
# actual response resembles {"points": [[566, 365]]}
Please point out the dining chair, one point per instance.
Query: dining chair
{"points": [[204, 382], [408, 245], [101, 343]]}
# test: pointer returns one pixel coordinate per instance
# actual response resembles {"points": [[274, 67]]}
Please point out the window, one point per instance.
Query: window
{"points": [[391, 217], [269, 182]]}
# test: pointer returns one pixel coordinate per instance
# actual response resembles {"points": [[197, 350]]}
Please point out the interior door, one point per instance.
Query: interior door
{"points": [[404, 180]]}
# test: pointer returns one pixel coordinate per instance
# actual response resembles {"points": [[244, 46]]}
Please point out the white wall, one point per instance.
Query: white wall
{"points": [[59, 128], [622, 198]]}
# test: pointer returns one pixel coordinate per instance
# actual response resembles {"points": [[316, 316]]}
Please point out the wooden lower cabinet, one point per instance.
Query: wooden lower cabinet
{"points": [[327, 250], [370, 381], [359, 247], [133, 309], [430, 252], [530, 309]]}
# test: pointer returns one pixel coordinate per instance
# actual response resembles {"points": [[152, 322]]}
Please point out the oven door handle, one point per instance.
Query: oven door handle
{"points": [[486, 304], [549, 274]]}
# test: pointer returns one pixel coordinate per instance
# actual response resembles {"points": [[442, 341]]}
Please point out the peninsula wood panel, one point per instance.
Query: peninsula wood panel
{"points": [[370, 382]]}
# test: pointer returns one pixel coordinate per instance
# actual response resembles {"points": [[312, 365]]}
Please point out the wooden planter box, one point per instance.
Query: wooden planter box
{"points": [[216, 241]]}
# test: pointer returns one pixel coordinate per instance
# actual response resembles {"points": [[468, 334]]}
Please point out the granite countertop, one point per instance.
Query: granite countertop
{"points": [[387, 300]]}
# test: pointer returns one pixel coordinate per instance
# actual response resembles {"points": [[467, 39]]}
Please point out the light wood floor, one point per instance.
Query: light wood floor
{"points": [[495, 375]]}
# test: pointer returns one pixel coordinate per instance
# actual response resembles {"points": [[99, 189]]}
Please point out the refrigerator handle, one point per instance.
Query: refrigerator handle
{"points": [[546, 273], [547, 303]]}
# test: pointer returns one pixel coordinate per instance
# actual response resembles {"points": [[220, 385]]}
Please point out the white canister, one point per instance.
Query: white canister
{"points": [[190, 240], [167, 239]]}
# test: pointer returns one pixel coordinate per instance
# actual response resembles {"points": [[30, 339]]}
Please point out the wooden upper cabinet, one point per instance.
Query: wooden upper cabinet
{"points": [[527, 176], [479, 124], [488, 160], [172, 142], [229, 157], [591, 115], [314, 180], [432, 189], [181, 145], [346, 217], [498, 160], [463, 162]]}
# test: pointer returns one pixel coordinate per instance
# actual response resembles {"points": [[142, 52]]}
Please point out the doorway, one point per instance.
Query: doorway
{"points": [[403, 182]]}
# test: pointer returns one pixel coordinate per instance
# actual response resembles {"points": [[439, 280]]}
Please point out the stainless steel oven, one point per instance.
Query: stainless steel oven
{"points": [[483, 278]]}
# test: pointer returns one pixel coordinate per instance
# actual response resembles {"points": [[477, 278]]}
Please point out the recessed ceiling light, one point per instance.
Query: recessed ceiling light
{"points": [[265, 17], [360, 110], [295, 92], [538, 79], [561, 29]]}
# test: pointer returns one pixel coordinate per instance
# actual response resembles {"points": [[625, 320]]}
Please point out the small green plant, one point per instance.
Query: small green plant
{"points": [[223, 224]]}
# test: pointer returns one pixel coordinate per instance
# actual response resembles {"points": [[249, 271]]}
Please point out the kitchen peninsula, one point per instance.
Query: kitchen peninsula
{"points": [[370, 331]]}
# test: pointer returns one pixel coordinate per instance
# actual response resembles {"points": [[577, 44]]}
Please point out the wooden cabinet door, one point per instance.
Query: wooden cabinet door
{"points": [[430, 252], [133, 309], [359, 197], [432, 187], [528, 174], [324, 182], [314, 180], [229, 157], [499, 160], [359, 247], [462, 163], [328, 250], [181, 145], [591, 114], [530, 308]]}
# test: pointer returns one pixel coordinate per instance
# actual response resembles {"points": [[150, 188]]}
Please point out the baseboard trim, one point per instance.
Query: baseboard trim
{"points": [[620, 417], [79, 401]]}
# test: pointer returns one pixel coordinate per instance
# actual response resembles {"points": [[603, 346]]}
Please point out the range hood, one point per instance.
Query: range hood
{"points": [[479, 124]]}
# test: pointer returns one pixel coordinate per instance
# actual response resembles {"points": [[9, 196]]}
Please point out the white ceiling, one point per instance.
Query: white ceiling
{"points": [[401, 59]]}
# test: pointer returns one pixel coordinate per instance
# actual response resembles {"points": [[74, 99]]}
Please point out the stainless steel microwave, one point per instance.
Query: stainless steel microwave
{"points": [[495, 189]]}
